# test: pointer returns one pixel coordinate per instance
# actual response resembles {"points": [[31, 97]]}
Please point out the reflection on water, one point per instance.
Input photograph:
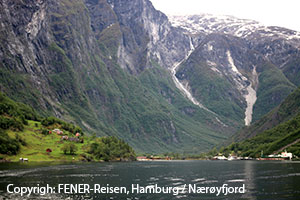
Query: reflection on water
{"points": [[263, 180]]}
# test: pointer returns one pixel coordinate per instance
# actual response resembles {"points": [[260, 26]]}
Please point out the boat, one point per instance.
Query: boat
{"points": [[283, 156]]}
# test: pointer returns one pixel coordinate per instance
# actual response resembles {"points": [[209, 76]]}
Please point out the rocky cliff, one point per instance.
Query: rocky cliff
{"points": [[104, 66]]}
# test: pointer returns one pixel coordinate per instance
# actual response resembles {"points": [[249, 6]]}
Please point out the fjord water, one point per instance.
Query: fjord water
{"points": [[263, 180]]}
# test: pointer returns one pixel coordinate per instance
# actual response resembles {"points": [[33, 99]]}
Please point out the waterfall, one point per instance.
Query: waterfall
{"points": [[183, 88]]}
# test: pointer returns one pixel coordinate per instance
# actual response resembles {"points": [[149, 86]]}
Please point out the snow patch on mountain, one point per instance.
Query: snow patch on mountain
{"points": [[209, 23], [247, 90], [210, 47], [232, 65], [250, 99]]}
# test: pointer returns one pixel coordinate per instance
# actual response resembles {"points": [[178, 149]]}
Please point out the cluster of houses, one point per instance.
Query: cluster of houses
{"points": [[152, 158], [283, 156], [57, 131], [65, 137], [230, 157]]}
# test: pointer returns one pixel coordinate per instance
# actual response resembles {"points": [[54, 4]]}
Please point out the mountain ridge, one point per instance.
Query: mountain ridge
{"points": [[210, 23]]}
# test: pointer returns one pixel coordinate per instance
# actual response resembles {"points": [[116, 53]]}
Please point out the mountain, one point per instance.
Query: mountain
{"points": [[240, 69], [263, 62], [97, 65], [122, 68], [276, 131]]}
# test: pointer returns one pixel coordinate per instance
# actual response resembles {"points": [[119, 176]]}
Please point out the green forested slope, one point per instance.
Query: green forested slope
{"points": [[274, 131]]}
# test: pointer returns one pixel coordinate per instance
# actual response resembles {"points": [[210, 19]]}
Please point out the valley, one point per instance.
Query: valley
{"points": [[161, 83]]}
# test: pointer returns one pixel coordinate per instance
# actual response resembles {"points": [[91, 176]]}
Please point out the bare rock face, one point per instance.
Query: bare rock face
{"points": [[147, 36]]}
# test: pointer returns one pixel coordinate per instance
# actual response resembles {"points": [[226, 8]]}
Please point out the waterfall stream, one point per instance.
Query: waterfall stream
{"points": [[184, 89]]}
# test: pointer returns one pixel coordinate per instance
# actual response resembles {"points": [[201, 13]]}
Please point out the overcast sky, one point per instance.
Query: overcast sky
{"points": [[285, 13]]}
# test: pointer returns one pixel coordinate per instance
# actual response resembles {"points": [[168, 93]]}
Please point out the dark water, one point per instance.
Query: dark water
{"points": [[262, 180]]}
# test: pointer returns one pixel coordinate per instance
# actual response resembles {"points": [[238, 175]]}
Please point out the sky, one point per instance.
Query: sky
{"points": [[284, 13]]}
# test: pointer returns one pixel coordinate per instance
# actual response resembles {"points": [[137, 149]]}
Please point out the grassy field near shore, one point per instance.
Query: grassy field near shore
{"points": [[37, 143]]}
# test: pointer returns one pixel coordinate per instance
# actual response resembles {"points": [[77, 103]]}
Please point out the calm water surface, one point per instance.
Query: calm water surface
{"points": [[263, 180]]}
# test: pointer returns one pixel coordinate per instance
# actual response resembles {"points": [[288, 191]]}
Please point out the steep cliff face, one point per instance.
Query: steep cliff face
{"points": [[147, 36], [20, 26], [44, 56], [97, 64]]}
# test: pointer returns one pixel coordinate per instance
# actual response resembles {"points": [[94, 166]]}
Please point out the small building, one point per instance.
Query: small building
{"points": [[64, 137], [58, 131], [142, 158]]}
